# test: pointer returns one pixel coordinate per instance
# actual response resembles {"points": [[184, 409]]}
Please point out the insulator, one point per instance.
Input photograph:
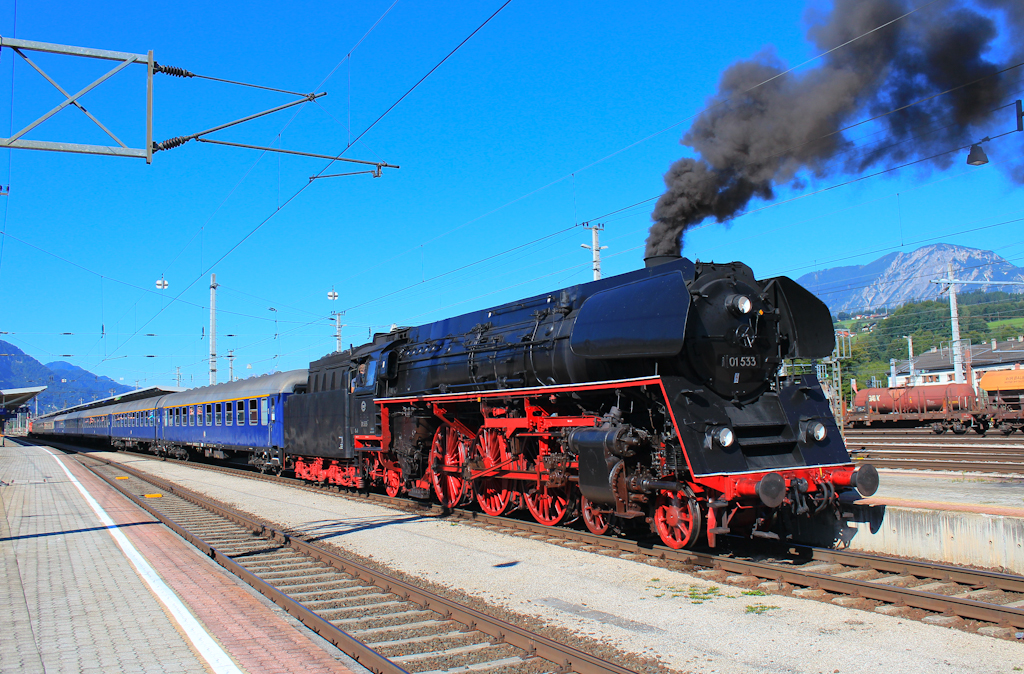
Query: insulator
{"points": [[172, 70], [172, 143]]}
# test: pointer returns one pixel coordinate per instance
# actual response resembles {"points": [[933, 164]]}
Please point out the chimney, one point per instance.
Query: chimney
{"points": [[993, 343], [656, 260]]}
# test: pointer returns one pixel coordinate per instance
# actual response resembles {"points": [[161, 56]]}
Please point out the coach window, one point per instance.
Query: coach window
{"points": [[253, 414], [199, 415], [229, 414], [191, 415], [209, 415], [240, 413], [263, 411], [332, 379], [217, 420]]}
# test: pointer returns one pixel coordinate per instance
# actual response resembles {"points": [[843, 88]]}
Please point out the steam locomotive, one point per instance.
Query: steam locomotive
{"points": [[655, 398]]}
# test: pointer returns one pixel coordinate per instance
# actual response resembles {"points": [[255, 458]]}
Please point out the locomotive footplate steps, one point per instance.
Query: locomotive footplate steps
{"points": [[93, 583]]}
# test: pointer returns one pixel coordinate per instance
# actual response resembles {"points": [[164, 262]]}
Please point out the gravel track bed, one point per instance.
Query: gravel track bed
{"points": [[649, 615]]}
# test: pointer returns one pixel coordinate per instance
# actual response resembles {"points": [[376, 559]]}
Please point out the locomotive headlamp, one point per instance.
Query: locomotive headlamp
{"points": [[815, 431], [724, 436], [739, 304]]}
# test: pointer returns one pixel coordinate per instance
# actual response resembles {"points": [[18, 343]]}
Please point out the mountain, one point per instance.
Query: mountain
{"points": [[66, 384], [898, 278]]}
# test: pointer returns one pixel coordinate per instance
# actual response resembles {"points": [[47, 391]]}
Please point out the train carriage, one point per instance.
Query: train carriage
{"points": [[243, 416]]}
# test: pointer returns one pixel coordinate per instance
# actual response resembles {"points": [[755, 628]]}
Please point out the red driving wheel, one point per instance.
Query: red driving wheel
{"points": [[447, 457], [494, 494]]}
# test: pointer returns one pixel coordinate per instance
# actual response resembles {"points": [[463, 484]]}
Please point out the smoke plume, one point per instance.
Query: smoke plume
{"points": [[751, 139]]}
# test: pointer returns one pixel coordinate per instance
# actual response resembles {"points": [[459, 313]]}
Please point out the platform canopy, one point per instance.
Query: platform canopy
{"points": [[13, 398]]}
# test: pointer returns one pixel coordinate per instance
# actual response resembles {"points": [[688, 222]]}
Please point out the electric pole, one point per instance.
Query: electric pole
{"points": [[177, 373], [954, 316], [910, 350], [595, 247], [213, 329], [338, 325], [231, 364]]}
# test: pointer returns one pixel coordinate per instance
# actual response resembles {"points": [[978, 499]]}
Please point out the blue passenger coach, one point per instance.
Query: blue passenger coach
{"points": [[220, 421], [240, 416]]}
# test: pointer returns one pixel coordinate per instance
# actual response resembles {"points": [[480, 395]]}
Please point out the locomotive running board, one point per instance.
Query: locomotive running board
{"points": [[504, 392]]}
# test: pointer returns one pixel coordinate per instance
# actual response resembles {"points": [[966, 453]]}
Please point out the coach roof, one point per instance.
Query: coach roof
{"points": [[254, 387]]}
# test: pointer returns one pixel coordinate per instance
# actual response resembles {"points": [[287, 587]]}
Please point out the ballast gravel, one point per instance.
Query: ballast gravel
{"points": [[685, 622]]}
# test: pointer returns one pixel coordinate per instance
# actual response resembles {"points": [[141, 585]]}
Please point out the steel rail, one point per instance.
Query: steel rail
{"points": [[567, 657], [952, 466], [1003, 581], [966, 608]]}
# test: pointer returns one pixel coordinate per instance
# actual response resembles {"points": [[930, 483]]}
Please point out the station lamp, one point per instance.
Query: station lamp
{"points": [[977, 156]]}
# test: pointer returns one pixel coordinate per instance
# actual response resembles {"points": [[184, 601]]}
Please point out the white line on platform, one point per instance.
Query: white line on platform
{"points": [[211, 651]]}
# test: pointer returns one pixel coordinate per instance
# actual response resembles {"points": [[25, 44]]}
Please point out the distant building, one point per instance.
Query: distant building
{"points": [[936, 366]]}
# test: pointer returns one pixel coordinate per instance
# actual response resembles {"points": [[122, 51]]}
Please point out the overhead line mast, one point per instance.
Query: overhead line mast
{"points": [[213, 329], [16, 141], [954, 316]]}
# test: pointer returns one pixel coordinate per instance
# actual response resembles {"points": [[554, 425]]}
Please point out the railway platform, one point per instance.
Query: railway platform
{"points": [[966, 518], [91, 583]]}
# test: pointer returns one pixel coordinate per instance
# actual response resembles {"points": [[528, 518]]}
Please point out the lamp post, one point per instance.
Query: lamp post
{"points": [[595, 247], [333, 296]]}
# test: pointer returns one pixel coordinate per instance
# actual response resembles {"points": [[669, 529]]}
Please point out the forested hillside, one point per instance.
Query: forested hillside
{"points": [[983, 317]]}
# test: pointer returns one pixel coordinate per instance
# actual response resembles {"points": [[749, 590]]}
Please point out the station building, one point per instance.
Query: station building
{"points": [[936, 365]]}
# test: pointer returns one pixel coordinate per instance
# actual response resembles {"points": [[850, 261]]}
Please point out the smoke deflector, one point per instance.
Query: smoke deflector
{"points": [[805, 319]]}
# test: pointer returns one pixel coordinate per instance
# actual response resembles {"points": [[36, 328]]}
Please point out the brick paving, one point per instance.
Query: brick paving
{"points": [[67, 617], [74, 603]]}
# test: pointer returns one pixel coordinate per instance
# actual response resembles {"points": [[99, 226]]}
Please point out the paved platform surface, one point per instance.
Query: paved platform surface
{"points": [[91, 583], [691, 624], [950, 491]]}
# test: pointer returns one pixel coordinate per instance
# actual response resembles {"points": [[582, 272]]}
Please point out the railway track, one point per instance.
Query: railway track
{"points": [[388, 625], [976, 600], [923, 450]]}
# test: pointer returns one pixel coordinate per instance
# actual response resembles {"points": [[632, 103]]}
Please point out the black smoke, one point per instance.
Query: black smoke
{"points": [[751, 139]]}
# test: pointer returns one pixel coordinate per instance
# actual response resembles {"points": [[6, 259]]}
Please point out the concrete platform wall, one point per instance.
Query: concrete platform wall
{"points": [[954, 537]]}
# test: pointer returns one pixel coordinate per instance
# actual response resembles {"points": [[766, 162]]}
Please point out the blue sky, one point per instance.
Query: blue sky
{"points": [[552, 115]]}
